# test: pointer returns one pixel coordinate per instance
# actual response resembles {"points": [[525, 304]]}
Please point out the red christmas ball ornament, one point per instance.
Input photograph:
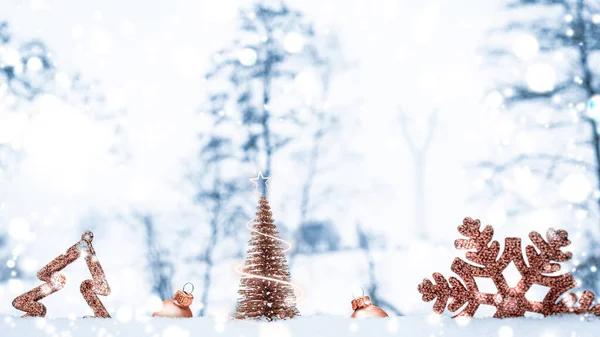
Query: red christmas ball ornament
{"points": [[364, 308], [179, 306]]}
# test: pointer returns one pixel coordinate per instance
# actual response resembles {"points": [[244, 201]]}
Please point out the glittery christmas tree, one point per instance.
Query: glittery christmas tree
{"points": [[265, 288]]}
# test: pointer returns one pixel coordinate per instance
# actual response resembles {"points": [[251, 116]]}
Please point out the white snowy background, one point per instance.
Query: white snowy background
{"points": [[69, 170]]}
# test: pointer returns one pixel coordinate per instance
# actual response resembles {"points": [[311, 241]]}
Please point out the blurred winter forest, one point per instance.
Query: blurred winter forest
{"points": [[382, 124]]}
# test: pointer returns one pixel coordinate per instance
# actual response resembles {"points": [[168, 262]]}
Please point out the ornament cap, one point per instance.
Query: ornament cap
{"points": [[361, 302], [183, 299]]}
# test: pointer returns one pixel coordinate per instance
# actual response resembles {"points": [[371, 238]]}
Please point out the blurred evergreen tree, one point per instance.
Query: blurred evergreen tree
{"points": [[548, 89]]}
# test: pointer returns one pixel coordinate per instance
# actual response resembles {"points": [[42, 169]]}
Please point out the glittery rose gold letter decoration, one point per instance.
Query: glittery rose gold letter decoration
{"points": [[55, 281], [488, 263]]}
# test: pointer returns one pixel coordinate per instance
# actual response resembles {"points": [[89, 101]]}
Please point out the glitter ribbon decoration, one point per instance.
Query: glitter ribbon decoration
{"points": [[55, 281], [240, 269]]}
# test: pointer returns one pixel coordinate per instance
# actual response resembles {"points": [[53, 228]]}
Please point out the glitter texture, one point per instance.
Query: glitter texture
{"points": [[90, 289], [266, 291], [509, 301], [364, 308]]}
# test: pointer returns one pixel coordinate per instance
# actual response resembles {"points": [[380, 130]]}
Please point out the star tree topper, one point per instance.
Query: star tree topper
{"points": [[261, 183]]}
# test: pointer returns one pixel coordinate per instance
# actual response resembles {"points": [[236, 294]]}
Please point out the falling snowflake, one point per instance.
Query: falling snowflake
{"points": [[293, 42], [526, 47], [576, 188], [247, 57], [540, 77], [489, 263], [593, 107]]}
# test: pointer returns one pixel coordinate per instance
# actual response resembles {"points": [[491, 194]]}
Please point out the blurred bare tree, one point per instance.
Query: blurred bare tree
{"points": [[218, 190], [314, 234], [364, 243], [418, 149], [158, 262]]}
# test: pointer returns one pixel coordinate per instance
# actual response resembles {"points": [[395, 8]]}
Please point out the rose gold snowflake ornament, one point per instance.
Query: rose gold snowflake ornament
{"points": [[488, 263]]}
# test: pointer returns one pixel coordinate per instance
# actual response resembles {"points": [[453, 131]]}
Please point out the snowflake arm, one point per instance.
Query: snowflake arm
{"points": [[485, 253], [549, 251], [452, 293]]}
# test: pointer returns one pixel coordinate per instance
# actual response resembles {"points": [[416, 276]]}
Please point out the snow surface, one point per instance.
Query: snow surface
{"points": [[314, 326]]}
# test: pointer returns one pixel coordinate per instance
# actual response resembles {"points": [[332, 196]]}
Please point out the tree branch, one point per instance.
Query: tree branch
{"points": [[556, 159]]}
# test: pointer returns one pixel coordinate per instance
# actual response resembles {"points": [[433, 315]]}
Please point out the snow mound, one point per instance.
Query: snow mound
{"points": [[313, 326]]}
